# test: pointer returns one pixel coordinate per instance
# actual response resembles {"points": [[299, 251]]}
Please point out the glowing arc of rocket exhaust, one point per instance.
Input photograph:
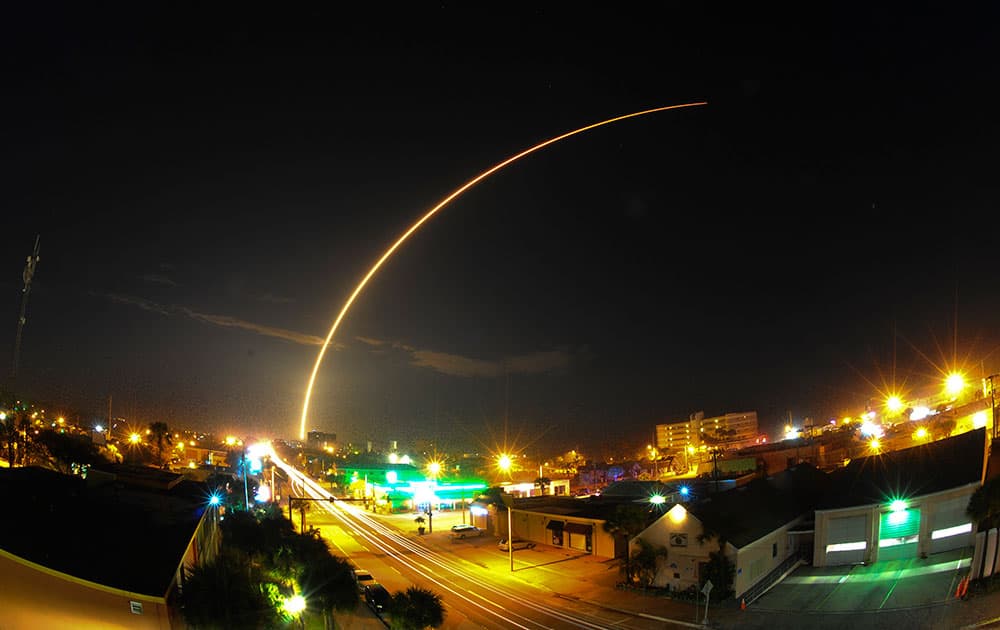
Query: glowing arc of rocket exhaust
{"points": [[430, 213]]}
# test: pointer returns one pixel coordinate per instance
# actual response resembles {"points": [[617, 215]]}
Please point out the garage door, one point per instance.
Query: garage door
{"points": [[846, 540], [952, 528], [898, 533]]}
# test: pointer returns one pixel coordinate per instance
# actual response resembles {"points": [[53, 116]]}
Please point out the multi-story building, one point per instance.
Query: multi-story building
{"points": [[733, 429], [677, 436]]}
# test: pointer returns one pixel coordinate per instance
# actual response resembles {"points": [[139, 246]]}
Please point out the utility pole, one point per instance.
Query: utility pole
{"points": [[29, 272]]}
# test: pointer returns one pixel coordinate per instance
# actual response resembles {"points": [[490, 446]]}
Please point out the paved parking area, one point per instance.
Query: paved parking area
{"points": [[894, 584]]}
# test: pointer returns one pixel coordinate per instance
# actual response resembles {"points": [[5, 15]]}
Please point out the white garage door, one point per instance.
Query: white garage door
{"points": [[846, 540], [952, 529]]}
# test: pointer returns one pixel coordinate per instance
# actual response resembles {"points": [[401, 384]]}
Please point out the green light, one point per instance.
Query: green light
{"points": [[657, 499], [898, 505]]}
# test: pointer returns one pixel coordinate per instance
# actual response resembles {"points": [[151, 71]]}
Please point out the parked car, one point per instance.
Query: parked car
{"points": [[518, 544], [377, 598], [464, 531], [363, 578]]}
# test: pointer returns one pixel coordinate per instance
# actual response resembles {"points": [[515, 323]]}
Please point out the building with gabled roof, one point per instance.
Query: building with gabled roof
{"points": [[756, 526]]}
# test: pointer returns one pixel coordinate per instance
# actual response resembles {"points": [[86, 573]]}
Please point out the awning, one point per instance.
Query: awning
{"points": [[579, 528], [555, 526]]}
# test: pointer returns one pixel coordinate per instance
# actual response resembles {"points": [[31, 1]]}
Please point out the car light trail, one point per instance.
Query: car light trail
{"points": [[430, 213], [401, 549]]}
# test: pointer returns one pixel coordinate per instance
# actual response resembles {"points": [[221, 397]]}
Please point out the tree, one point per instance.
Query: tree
{"points": [[65, 452], [228, 593], [984, 505], [160, 438], [718, 568], [328, 579], [542, 483], [420, 524], [416, 608], [645, 562], [627, 522]]}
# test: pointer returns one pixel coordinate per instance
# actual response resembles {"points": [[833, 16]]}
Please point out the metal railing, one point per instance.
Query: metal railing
{"points": [[771, 578]]}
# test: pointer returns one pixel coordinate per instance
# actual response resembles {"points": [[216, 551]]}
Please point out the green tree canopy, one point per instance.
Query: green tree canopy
{"points": [[984, 505], [228, 593], [416, 608]]}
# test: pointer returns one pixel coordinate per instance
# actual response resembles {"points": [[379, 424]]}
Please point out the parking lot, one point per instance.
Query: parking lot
{"points": [[905, 583]]}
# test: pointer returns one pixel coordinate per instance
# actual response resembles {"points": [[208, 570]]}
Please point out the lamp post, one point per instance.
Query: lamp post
{"points": [[510, 535]]}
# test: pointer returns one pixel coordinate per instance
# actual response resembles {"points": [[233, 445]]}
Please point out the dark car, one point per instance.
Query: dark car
{"points": [[363, 578], [377, 598]]}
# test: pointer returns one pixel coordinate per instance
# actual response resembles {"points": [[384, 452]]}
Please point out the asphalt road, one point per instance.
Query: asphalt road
{"points": [[478, 589]]}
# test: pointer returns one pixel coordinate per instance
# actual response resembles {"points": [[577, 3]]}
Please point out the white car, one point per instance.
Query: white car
{"points": [[464, 531], [518, 544]]}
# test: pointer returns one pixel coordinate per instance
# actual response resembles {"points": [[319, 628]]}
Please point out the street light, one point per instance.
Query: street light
{"points": [[954, 384], [504, 462], [294, 606]]}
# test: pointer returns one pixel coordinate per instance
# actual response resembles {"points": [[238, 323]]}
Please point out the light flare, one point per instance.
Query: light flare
{"points": [[430, 213]]}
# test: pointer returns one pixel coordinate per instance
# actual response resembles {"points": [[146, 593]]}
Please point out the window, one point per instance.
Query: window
{"points": [[774, 550]]}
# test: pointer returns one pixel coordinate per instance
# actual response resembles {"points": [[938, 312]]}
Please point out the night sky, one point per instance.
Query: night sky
{"points": [[209, 184]]}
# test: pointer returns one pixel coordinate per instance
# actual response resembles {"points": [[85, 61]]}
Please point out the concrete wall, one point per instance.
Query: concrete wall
{"points": [[33, 596]]}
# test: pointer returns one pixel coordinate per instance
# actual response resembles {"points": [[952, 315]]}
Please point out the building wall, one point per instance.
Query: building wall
{"points": [[937, 512], [680, 568], [755, 561], [532, 526], [676, 436], [33, 596]]}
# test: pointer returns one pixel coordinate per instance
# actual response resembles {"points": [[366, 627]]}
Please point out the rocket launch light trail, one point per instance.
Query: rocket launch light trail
{"points": [[430, 213]]}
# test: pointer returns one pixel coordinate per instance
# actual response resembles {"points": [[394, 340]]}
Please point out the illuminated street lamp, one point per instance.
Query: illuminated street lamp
{"points": [[894, 404], [135, 438], [504, 462], [434, 469], [954, 384], [294, 606]]}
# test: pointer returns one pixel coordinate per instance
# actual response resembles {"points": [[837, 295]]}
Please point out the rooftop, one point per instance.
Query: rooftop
{"points": [[911, 472], [118, 534], [747, 513]]}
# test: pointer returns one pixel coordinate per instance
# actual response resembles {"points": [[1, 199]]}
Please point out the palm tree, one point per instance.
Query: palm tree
{"points": [[160, 437], [627, 522], [227, 593], [416, 608], [542, 483], [329, 581], [984, 505]]}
